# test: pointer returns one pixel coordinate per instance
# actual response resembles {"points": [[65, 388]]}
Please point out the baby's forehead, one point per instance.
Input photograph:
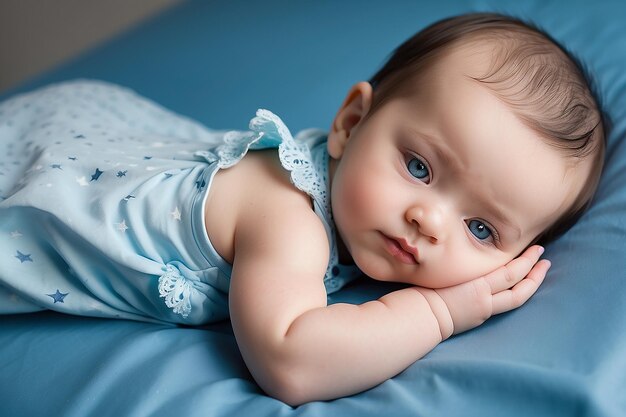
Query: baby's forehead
{"points": [[477, 56], [469, 60]]}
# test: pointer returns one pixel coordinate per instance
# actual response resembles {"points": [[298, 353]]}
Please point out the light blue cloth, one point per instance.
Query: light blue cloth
{"points": [[103, 204]]}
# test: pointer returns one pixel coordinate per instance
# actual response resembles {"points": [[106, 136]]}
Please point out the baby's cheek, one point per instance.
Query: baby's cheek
{"points": [[360, 194], [465, 265], [369, 199]]}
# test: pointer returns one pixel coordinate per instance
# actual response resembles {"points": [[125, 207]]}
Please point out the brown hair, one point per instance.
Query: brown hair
{"points": [[541, 81]]}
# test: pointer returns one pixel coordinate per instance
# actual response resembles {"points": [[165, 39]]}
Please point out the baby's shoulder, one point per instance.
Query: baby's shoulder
{"points": [[256, 199], [260, 178]]}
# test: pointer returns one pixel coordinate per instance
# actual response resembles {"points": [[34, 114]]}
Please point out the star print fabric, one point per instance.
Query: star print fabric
{"points": [[102, 204], [101, 196]]}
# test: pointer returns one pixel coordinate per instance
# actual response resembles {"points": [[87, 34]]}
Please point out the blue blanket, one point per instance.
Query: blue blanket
{"points": [[561, 354]]}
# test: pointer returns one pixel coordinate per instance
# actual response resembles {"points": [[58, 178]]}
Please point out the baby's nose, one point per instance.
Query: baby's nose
{"points": [[429, 220]]}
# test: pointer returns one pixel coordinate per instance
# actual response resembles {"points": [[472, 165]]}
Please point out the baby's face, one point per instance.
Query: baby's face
{"points": [[446, 184]]}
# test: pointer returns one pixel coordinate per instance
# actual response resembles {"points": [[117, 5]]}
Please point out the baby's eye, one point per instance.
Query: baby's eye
{"points": [[418, 168], [480, 229]]}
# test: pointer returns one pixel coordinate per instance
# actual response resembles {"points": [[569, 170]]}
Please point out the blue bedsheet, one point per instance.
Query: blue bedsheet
{"points": [[561, 354]]}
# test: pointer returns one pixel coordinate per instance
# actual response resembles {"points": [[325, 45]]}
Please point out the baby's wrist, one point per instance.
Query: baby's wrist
{"points": [[440, 311]]}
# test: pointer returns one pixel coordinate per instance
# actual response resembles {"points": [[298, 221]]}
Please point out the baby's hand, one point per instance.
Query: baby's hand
{"points": [[504, 289]]}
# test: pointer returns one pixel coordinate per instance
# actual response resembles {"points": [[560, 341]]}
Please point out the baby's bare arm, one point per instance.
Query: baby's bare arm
{"points": [[299, 349]]}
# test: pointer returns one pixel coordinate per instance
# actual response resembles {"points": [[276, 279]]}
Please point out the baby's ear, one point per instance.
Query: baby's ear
{"points": [[354, 108]]}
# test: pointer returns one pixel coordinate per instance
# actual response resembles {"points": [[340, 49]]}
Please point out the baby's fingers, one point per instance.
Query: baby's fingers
{"points": [[522, 291], [510, 274]]}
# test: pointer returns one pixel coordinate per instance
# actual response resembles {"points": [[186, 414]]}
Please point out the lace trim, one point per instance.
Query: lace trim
{"points": [[176, 290], [268, 130], [295, 156], [234, 147]]}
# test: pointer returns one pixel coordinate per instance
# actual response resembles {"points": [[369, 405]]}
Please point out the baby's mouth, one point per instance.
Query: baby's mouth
{"points": [[401, 250]]}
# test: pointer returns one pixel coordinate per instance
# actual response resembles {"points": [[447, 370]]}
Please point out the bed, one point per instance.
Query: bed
{"points": [[561, 354]]}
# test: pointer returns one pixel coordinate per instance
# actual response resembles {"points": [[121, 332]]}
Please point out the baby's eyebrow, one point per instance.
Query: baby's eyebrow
{"points": [[433, 141], [496, 211]]}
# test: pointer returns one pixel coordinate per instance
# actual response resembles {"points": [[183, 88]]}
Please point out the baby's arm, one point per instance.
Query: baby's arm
{"points": [[298, 349]]}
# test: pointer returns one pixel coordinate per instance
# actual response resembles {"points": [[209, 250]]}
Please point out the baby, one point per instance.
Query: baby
{"points": [[478, 139]]}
